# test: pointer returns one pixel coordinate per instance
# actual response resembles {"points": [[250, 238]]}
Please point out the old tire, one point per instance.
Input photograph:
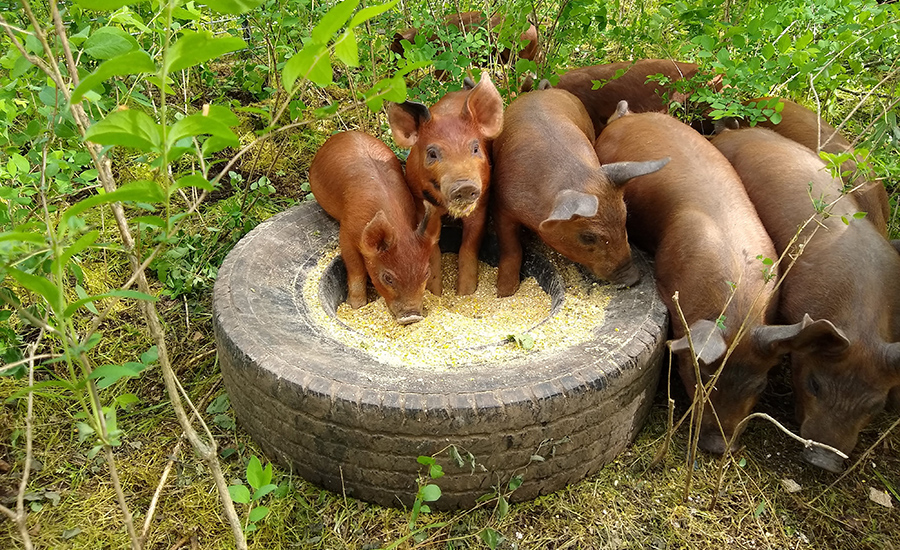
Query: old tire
{"points": [[353, 425]]}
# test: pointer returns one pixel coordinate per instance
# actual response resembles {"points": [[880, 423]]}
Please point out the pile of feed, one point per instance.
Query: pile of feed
{"points": [[462, 330]]}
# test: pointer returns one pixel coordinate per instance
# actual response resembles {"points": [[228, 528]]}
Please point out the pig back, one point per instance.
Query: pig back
{"points": [[782, 179], [545, 146], [357, 174], [808, 129], [632, 86]]}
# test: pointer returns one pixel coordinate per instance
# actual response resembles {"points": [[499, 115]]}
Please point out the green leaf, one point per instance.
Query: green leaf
{"points": [[107, 375], [39, 285], [264, 490], [198, 124], [239, 494], [104, 5], [109, 42], [515, 482], [491, 537], [436, 471], [365, 14], [760, 509], [390, 89], [346, 50], [85, 241], [128, 128], [311, 63], [233, 7], [502, 507], [256, 475], [84, 431], [133, 62], [196, 47], [332, 21], [112, 293], [138, 191], [257, 513], [21, 236], [425, 460], [430, 492], [194, 180], [17, 164]]}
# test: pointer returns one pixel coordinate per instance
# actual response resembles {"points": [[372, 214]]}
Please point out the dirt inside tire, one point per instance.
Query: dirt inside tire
{"points": [[353, 424]]}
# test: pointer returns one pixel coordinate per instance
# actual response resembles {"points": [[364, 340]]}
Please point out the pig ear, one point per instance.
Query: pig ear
{"points": [[709, 344], [378, 236], [485, 107], [405, 119], [570, 204], [430, 227], [810, 336], [621, 110], [544, 84], [727, 123], [468, 83], [620, 172]]}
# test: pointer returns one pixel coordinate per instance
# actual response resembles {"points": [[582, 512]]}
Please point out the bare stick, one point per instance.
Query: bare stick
{"points": [[162, 482]]}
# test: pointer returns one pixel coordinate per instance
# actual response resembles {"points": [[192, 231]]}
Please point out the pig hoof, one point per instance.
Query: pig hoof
{"points": [[825, 459]]}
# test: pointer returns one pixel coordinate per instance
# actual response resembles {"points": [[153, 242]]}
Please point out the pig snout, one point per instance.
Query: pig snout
{"points": [[626, 275], [824, 458], [409, 317], [713, 442], [462, 197]]}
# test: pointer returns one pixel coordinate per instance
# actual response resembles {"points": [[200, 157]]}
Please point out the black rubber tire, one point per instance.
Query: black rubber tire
{"points": [[350, 424]]}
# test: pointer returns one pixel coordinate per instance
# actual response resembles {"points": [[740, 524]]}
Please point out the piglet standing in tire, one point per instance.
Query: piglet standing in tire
{"points": [[448, 164], [358, 180]]}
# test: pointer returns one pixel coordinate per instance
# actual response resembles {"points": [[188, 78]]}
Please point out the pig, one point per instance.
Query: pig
{"points": [[547, 178], [449, 165], [632, 86], [708, 241], [808, 129], [467, 22], [358, 180], [843, 286]]}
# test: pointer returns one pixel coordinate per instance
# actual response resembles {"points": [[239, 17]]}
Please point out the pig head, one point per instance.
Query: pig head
{"points": [[548, 179], [449, 163], [842, 287]]}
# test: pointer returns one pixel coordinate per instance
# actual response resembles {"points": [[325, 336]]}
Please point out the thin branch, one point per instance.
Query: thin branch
{"points": [[151, 511]]}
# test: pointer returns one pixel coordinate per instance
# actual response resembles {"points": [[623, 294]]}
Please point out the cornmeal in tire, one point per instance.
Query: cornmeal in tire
{"points": [[461, 330]]}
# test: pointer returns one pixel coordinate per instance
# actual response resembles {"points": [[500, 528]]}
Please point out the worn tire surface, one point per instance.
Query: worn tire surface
{"points": [[350, 424]]}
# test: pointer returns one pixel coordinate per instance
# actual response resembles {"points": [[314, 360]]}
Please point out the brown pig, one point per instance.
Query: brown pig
{"points": [[449, 165], [467, 22], [808, 129], [547, 178], [708, 241], [632, 86], [358, 180], [844, 277]]}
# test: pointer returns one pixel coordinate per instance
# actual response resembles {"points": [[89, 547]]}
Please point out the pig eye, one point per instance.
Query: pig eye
{"points": [[476, 148], [387, 279], [432, 154], [587, 238]]}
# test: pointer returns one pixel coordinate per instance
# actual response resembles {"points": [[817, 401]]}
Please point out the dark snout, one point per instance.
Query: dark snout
{"points": [[713, 442], [626, 275], [823, 458], [464, 192]]}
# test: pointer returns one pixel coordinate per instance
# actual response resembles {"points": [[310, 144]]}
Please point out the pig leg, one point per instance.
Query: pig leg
{"points": [[509, 240], [435, 285], [472, 235], [356, 272]]}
